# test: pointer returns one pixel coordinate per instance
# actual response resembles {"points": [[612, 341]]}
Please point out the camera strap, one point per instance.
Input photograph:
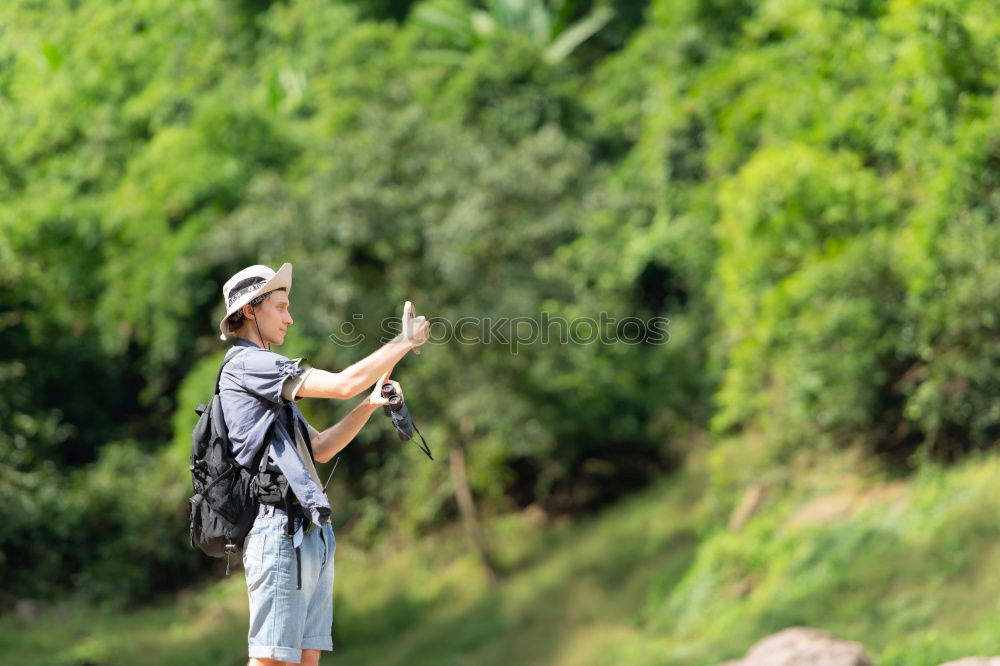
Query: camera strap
{"points": [[423, 447]]}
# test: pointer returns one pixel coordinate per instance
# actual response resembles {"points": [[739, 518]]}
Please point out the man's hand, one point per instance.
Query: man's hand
{"points": [[416, 330], [332, 440], [354, 379], [376, 398]]}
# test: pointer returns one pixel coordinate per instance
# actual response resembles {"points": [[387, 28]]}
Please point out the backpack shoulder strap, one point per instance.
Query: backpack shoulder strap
{"points": [[218, 377], [294, 424]]}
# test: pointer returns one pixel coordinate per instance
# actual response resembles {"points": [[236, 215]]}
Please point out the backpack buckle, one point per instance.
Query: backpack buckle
{"points": [[230, 549]]}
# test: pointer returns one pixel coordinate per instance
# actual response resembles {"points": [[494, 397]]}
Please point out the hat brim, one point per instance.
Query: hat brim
{"points": [[282, 278]]}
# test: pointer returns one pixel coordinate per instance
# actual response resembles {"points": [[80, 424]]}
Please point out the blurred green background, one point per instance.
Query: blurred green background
{"points": [[806, 191]]}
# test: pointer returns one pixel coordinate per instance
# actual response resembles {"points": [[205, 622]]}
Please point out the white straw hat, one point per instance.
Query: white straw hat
{"points": [[248, 283]]}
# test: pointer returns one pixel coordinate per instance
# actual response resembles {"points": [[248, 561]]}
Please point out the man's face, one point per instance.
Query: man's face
{"points": [[273, 317]]}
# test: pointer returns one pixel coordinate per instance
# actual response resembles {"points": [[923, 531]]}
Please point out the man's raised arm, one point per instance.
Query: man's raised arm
{"points": [[356, 377]]}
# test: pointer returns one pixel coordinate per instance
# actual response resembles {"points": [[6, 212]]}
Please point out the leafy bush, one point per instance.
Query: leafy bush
{"points": [[113, 531]]}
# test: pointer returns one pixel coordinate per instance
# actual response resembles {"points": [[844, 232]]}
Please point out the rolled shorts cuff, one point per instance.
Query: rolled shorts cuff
{"points": [[317, 643], [293, 655]]}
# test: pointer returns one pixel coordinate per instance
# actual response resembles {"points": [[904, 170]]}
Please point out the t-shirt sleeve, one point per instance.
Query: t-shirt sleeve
{"points": [[313, 433], [266, 374], [291, 385]]}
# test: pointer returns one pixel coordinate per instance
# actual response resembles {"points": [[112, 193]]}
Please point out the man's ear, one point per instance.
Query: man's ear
{"points": [[248, 311]]}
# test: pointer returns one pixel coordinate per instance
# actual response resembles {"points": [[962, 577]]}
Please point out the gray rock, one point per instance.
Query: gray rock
{"points": [[802, 646], [975, 661]]}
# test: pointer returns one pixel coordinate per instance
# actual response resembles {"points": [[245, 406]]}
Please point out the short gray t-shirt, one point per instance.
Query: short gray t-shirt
{"points": [[256, 387]]}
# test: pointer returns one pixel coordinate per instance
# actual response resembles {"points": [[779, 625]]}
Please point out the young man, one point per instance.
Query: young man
{"points": [[289, 562]]}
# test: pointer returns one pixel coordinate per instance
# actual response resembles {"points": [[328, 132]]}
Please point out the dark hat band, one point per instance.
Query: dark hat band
{"points": [[245, 287]]}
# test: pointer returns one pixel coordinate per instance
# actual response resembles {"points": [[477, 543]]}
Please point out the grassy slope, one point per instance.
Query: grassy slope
{"points": [[909, 568]]}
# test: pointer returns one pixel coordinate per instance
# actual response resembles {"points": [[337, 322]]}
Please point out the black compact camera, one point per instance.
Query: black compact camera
{"points": [[401, 419]]}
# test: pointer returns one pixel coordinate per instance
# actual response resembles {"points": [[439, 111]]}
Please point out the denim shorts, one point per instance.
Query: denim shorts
{"points": [[284, 620]]}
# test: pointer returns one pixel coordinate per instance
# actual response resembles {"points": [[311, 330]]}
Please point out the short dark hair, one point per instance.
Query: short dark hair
{"points": [[236, 319]]}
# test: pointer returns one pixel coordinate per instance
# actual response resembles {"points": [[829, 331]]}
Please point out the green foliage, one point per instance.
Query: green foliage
{"points": [[805, 291], [879, 563], [114, 531], [412, 206], [804, 194], [539, 23], [908, 570], [136, 502], [953, 386], [820, 143]]}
